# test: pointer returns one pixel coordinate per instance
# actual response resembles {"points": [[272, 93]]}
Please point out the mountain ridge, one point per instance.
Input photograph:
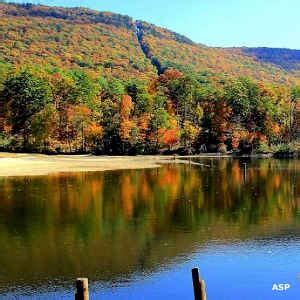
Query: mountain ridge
{"points": [[288, 59], [110, 42]]}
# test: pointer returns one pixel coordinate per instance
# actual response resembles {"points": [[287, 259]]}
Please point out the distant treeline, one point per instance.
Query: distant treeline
{"points": [[288, 59], [73, 111]]}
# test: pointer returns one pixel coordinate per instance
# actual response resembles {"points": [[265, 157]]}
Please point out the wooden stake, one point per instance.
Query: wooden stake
{"points": [[203, 290], [199, 286], [82, 289]]}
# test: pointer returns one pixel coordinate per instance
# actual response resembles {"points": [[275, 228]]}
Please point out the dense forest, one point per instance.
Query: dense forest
{"points": [[72, 111], [77, 80]]}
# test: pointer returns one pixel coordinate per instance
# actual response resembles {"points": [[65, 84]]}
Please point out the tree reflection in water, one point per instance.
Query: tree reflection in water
{"points": [[113, 224]]}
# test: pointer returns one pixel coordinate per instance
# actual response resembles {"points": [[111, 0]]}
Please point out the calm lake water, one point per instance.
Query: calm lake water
{"points": [[136, 234]]}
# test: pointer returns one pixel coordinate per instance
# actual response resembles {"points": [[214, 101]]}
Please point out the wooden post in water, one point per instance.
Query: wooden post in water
{"points": [[199, 286], [82, 289]]}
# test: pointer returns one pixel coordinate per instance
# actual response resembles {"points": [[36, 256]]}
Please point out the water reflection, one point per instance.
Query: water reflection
{"points": [[110, 226]]}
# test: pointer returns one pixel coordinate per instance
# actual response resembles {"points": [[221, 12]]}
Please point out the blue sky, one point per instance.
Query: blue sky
{"points": [[270, 23]]}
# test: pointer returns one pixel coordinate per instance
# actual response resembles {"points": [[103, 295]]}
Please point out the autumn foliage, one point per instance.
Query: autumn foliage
{"points": [[76, 80]]}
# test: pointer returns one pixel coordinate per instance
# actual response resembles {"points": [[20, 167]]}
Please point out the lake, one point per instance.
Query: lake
{"points": [[136, 234]]}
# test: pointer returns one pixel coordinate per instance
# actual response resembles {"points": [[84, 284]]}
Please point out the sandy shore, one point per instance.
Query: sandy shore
{"points": [[35, 164]]}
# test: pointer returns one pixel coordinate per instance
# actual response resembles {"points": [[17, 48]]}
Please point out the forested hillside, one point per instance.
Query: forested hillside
{"points": [[175, 51], [287, 59], [106, 42], [58, 37], [78, 80]]}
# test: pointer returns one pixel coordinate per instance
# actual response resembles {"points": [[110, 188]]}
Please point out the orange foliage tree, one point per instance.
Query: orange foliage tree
{"points": [[127, 124], [170, 136]]}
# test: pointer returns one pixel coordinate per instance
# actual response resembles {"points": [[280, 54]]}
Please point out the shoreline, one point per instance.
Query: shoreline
{"points": [[24, 164], [17, 164]]}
